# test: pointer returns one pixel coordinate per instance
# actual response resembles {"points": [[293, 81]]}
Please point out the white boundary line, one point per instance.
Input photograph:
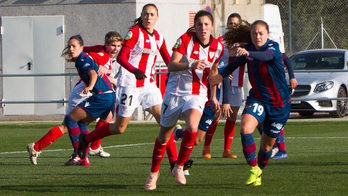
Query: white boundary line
{"points": [[143, 144]]}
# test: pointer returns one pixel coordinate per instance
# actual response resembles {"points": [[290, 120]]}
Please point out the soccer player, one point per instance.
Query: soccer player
{"points": [[195, 54], [104, 56], [98, 105], [269, 98], [136, 86]]}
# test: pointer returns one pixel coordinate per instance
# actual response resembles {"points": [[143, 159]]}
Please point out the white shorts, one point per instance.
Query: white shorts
{"points": [[174, 106], [129, 98], [235, 97], [76, 96]]}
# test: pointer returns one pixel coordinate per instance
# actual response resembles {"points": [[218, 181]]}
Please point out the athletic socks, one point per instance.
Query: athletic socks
{"points": [[281, 141], [96, 144], [229, 133], [51, 136], [157, 155], [186, 147], [74, 131], [83, 130], [171, 150], [249, 148], [98, 133], [210, 133], [263, 158]]}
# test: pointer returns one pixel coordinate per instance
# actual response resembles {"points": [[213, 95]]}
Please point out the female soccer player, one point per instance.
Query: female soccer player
{"points": [[195, 54], [135, 82], [98, 105], [104, 56], [269, 98]]}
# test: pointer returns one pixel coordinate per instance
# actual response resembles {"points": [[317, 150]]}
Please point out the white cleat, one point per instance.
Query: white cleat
{"points": [[33, 154], [74, 160], [151, 181], [179, 175], [186, 172], [274, 151], [99, 151]]}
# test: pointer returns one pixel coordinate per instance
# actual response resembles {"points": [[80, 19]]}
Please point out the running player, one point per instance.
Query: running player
{"points": [[195, 54], [104, 56], [269, 98], [135, 82], [98, 105]]}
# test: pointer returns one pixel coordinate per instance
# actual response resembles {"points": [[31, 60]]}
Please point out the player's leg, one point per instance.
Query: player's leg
{"points": [[280, 145], [229, 130]]}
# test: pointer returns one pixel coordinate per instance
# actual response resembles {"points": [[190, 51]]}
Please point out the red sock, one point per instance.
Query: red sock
{"points": [[171, 150], [99, 133], [210, 132], [186, 147], [51, 136], [230, 127], [96, 144], [157, 155]]}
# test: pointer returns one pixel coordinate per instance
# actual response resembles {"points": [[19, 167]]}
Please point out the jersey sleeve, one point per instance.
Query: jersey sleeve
{"points": [[164, 52], [221, 53], [100, 58], [181, 44], [131, 38]]}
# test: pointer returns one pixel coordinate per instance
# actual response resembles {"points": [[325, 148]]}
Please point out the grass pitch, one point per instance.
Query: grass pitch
{"points": [[317, 164]]}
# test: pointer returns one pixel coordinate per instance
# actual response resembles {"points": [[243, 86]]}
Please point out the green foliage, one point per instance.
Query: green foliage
{"points": [[317, 164]]}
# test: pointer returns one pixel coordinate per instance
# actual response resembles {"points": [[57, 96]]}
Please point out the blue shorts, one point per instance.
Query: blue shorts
{"points": [[273, 119], [99, 105], [208, 114]]}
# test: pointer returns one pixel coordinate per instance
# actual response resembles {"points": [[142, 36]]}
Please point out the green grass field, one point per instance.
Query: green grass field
{"points": [[317, 164]]}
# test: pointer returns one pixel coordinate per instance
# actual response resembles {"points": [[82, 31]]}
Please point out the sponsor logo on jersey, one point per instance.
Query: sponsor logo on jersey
{"points": [[147, 41], [149, 51], [211, 55], [129, 35], [86, 65], [178, 43]]}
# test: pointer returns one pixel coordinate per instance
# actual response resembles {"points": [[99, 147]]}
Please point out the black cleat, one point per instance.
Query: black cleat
{"points": [[188, 164]]}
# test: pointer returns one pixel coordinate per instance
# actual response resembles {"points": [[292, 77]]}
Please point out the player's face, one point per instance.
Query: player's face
{"points": [[259, 35], [204, 26], [233, 22], [149, 17], [113, 48], [75, 48]]}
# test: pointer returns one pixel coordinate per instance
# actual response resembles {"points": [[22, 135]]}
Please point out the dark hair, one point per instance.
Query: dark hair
{"points": [[65, 53], [139, 20], [198, 15], [239, 34], [234, 15], [260, 22], [112, 36]]}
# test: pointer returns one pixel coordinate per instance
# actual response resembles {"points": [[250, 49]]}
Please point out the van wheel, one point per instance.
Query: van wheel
{"points": [[306, 114], [341, 105]]}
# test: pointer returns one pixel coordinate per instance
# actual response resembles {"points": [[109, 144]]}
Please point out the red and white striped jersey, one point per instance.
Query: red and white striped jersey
{"points": [[100, 57], [144, 50], [238, 74], [194, 81]]}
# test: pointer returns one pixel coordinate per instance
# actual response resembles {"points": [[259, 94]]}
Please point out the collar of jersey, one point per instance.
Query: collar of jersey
{"points": [[204, 45]]}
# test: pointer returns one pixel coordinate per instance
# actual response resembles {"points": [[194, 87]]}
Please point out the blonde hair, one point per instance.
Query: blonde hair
{"points": [[112, 36]]}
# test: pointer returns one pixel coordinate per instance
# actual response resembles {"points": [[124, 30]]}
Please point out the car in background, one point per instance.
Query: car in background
{"points": [[322, 76]]}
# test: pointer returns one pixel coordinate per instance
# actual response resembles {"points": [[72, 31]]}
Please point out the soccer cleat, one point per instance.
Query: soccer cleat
{"points": [[280, 155], [255, 172], [151, 181], [33, 154], [188, 164], [176, 132], [257, 181], [99, 151], [228, 154], [206, 152], [275, 150], [74, 160], [85, 162], [186, 172], [83, 145], [178, 174]]}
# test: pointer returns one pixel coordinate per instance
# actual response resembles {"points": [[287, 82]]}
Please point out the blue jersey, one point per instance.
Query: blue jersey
{"points": [[83, 64], [267, 77]]}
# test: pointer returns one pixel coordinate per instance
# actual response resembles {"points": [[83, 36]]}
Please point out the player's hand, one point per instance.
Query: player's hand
{"points": [[101, 70], [215, 79], [87, 90], [216, 104], [201, 64], [226, 110], [242, 52], [293, 83], [139, 75], [230, 77]]}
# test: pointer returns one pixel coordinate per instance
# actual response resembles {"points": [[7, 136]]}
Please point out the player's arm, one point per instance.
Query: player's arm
{"points": [[288, 65], [214, 72], [93, 79], [164, 53], [179, 62], [122, 59]]}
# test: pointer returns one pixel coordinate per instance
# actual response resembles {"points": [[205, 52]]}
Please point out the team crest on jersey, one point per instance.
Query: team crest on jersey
{"points": [[178, 43], [86, 65], [211, 55], [129, 35]]}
